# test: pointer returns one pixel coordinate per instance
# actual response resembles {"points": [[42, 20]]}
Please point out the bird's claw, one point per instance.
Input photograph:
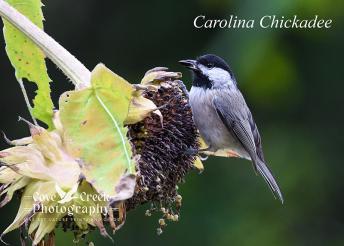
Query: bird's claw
{"points": [[193, 151]]}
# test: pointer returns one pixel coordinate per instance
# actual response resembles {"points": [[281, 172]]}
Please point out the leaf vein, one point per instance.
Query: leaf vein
{"points": [[118, 129]]}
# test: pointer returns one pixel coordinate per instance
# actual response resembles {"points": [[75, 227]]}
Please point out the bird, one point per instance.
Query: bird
{"points": [[222, 116]]}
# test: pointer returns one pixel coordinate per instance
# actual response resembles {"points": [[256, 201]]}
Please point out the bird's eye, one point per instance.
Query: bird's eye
{"points": [[210, 65]]}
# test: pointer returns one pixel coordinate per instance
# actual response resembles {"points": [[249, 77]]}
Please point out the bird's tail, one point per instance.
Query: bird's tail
{"points": [[266, 173]]}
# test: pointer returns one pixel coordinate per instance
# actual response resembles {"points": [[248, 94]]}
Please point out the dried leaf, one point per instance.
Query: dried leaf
{"points": [[158, 75], [198, 164], [82, 220], [125, 188], [141, 107]]}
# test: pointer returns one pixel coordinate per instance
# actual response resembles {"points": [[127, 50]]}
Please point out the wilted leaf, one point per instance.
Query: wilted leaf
{"points": [[124, 188], [28, 59], [141, 107], [83, 219], [94, 132]]}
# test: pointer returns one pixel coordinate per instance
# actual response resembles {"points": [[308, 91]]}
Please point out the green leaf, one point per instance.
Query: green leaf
{"points": [[94, 132], [28, 60]]}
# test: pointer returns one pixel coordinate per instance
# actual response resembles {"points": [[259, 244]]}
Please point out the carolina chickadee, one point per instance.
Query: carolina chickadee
{"points": [[222, 116]]}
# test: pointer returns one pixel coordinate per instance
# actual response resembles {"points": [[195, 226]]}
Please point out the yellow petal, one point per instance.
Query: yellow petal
{"points": [[158, 75], [198, 164], [9, 191], [44, 159], [7, 175], [140, 107], [47, 223]]}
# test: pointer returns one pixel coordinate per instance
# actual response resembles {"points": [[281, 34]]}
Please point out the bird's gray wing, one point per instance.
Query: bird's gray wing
{"points": [[232, 110], [256, 137], [235, 115]]}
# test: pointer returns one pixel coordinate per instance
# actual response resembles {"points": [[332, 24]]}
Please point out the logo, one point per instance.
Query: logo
{"points": [[62, 203], [66, 196]]}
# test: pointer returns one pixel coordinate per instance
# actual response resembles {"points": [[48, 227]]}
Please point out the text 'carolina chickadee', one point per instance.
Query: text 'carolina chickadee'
{"points": [[222, 116]]}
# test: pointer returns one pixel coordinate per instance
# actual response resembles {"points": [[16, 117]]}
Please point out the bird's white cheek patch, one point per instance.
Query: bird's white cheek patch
{"points": [[218, 76]]}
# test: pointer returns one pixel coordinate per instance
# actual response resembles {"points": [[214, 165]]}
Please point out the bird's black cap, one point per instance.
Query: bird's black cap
{"points": [[213, 60]]}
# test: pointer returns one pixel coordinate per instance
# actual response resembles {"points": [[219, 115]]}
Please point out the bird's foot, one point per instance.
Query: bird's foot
{"points": [[232, 153], [183, 88], [193, 151]]}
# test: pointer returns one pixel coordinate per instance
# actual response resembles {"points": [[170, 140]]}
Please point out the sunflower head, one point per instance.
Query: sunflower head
{"points": [[163, 143]]}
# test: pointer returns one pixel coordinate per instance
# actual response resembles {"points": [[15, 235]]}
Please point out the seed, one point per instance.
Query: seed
{"points": [[176, 217], [162, 222], [169, 217], [179, 198]]}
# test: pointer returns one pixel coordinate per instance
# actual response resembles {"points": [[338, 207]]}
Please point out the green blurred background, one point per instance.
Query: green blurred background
{"points": [[292, 80]]}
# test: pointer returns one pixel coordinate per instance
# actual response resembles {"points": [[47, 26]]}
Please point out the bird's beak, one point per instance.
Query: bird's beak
{"points": [[190, 64]]}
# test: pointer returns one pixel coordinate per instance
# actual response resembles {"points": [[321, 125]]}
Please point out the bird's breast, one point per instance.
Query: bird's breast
{"points": [[211, 127]]}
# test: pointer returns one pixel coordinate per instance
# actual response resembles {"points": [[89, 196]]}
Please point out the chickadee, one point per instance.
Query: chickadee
{"points": [[222, 116]]}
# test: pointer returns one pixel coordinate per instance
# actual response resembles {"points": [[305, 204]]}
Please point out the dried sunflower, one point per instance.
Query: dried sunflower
{"points": [[63, 174]]}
